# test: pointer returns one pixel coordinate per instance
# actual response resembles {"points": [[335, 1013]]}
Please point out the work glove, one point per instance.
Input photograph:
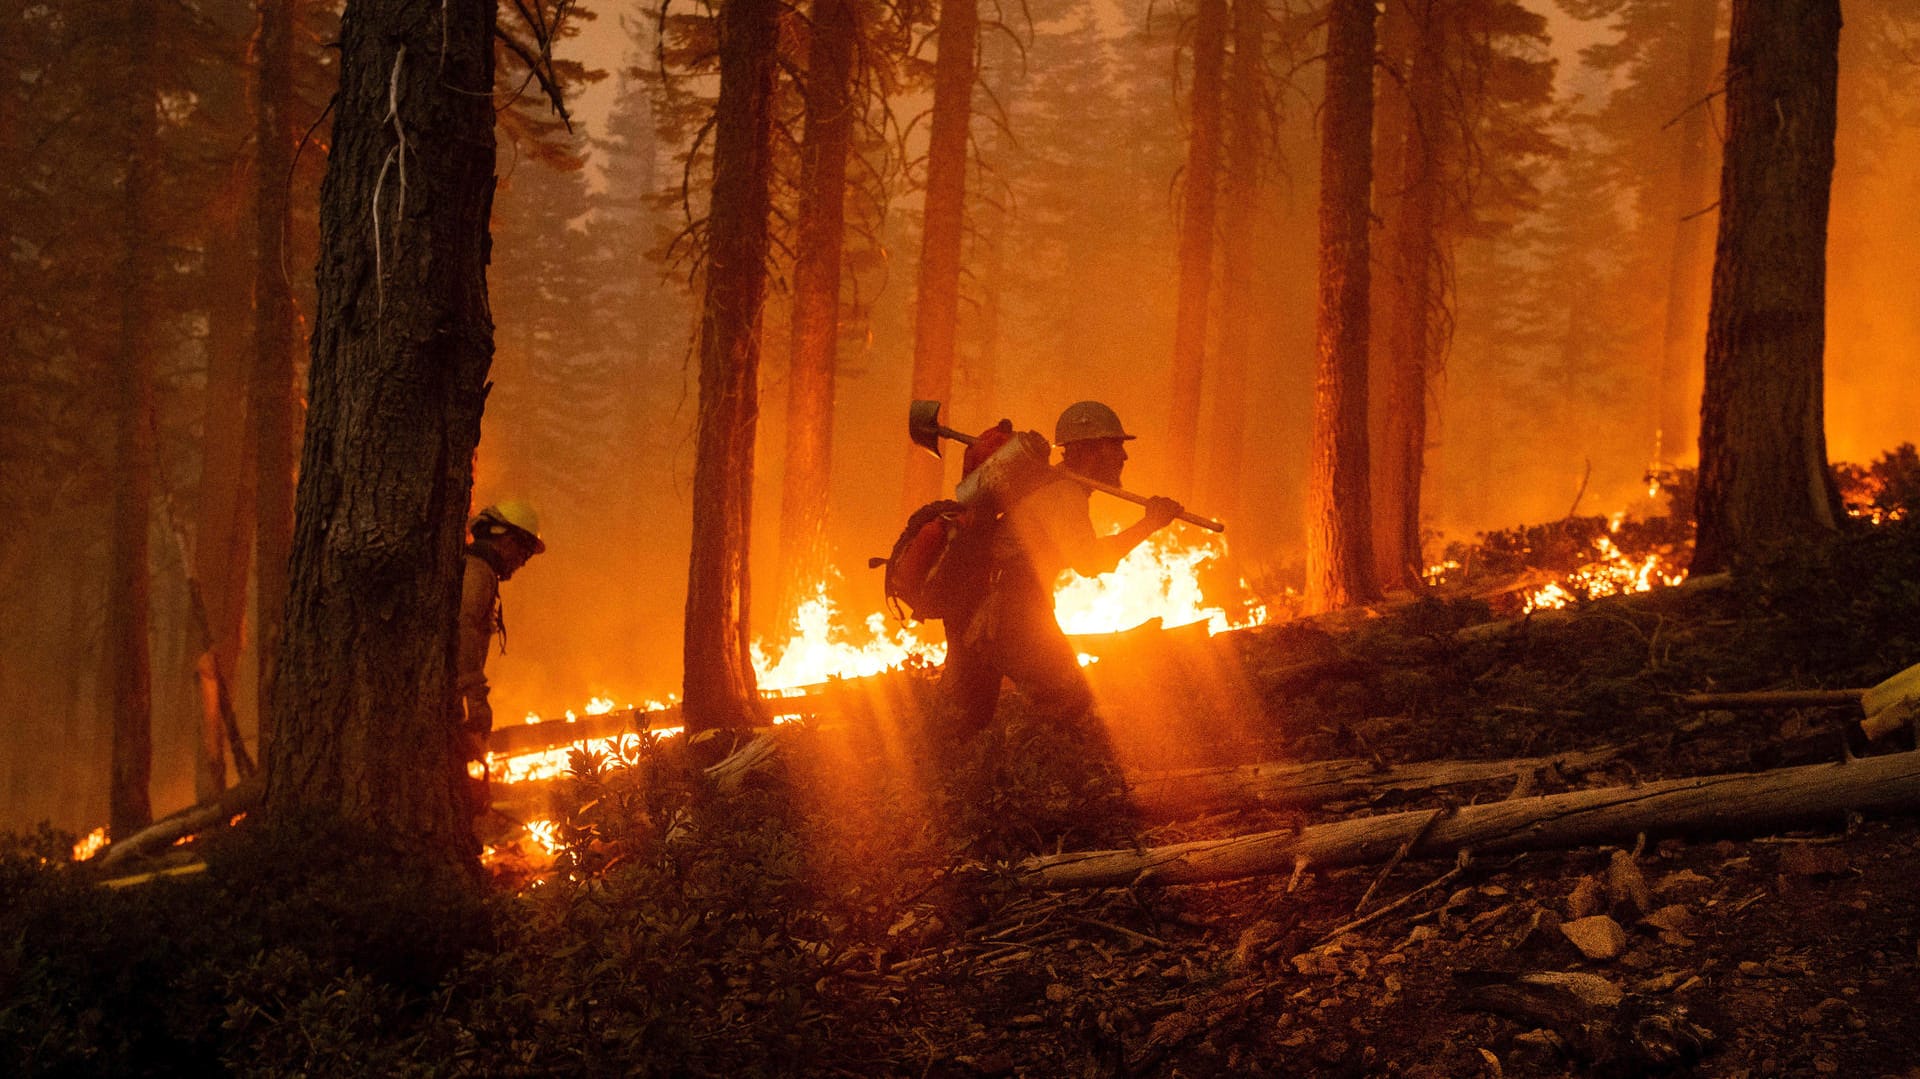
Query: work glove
{"points": [[1162, 512]]}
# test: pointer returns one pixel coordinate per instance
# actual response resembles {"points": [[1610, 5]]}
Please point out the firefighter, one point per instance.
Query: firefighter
{"points": [[1045, 530], [503, 537]]}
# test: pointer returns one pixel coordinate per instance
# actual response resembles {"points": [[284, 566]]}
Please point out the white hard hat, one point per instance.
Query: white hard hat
{"points": [[1087, 419]]}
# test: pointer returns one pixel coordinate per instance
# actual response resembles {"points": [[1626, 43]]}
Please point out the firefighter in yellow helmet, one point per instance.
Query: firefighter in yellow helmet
{"points": [[503, 537]]}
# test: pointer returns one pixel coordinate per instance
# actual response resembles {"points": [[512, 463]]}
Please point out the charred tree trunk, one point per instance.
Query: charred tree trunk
{"points": [[1763, 447], [719, 684], [128, 655], [1196, 245], [824, 149], [1410, 186], [1339, 539], [1246, 134], [270, 390], [1692, 225], [224, 507], [937, 318], [364, 692]]}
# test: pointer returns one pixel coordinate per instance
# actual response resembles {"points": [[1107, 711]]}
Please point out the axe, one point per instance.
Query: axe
{"points": [[926, 430]]}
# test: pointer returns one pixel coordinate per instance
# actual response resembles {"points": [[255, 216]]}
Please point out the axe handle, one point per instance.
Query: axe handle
{"points": [[1207, 523]]}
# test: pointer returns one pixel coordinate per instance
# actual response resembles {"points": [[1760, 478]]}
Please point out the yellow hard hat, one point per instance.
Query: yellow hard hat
{"points": [[516, 513], [1085, 420]]}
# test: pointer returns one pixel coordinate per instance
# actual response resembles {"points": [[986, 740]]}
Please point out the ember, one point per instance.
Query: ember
{"points": [[89, 844]]}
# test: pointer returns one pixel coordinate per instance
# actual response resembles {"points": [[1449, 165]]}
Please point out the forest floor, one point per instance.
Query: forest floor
{"points": [[1730, 954], [857, 905]]}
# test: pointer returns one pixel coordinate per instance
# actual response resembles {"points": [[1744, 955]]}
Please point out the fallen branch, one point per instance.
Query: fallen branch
{"points": [[1773, 698], [1750, 803], [1309, 783], [195, 818]]}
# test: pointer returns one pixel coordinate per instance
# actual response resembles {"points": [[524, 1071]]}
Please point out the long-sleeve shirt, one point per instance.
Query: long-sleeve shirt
{"points": [[479, 614]]}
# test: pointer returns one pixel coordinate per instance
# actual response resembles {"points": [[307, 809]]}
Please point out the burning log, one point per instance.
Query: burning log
{"points": [[1751, 803], [1309, 783]]}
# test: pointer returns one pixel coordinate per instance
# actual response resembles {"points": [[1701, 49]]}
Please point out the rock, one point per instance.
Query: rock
{"points": [[1588, 899], [1626, 886], [1597, 936], [1681, 880], [1660, 983], [1673, 917]]}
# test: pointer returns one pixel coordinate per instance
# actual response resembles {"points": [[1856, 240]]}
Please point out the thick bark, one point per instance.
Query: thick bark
{"points": [[1245, 141], [824, 149], [1741, 804], [271, 394], [1201, 188], [364, 692], [937, 313], [128, 655], [1764, 478], [719, 683], [1410, 196], [1694, 151], [224, 507], [1339, 540]]}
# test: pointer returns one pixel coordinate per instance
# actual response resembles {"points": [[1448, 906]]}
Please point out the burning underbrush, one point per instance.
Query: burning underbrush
{"points": [[850, 903]]}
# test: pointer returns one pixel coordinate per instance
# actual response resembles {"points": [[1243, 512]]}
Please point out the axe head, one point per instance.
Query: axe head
{"points": [[923, 425]]}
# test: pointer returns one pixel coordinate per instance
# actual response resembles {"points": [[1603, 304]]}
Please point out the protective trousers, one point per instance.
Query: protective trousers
{"points": [[1013, 635]]}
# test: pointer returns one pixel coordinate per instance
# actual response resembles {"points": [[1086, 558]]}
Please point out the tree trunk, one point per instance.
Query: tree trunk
{"points": [[1201, 189], [270, 391], [804, 559], [1339, 541], [719, 684], [1694, 150], [128, 652], [1410, 194], [937, 316], [224, 507], [1763, 448], [1246, 134], [364, 695], [1740, 804]]}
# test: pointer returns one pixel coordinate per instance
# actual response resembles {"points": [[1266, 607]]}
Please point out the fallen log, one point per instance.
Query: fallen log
{"points": [[1772, 698], [1749, 803], [1307, 783], [1891, 704], [195, 818]]}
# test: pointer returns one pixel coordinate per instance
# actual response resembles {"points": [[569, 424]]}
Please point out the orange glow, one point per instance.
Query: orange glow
{"points": [[89, 844], [1612, 573]]}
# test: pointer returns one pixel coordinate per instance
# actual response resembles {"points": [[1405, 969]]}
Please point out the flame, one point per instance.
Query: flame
{"points": [[1611, 574], [818, 650], [89, 844], [1158, 579]]}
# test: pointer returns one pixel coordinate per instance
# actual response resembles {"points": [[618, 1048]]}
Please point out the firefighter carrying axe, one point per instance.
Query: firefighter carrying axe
{"points": [[924, 427]]}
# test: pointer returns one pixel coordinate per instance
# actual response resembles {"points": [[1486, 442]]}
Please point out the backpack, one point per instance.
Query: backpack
{"points": [[939, 565]]}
